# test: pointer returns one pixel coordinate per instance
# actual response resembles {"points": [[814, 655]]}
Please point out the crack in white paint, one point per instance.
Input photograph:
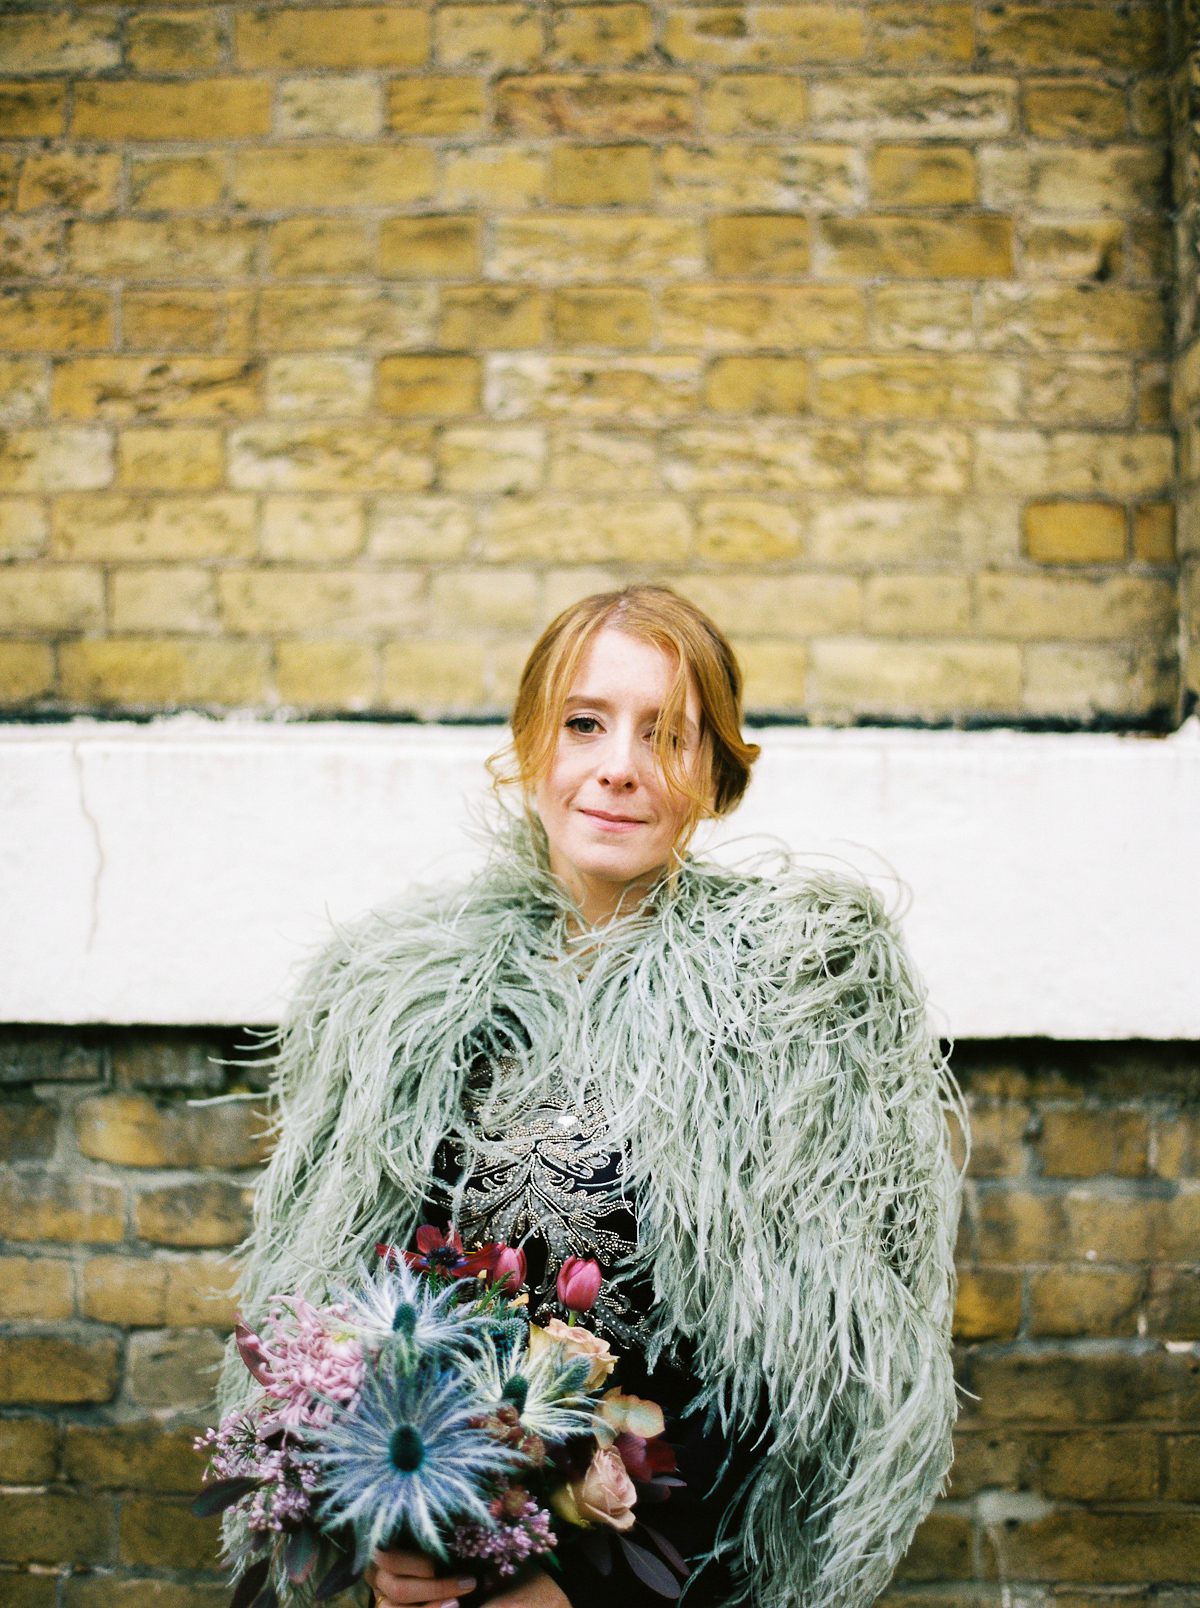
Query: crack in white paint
{"points": [[98, 873]]}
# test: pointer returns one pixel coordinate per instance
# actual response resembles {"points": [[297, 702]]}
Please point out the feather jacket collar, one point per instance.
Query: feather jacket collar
{"points": [[761, 1049]]}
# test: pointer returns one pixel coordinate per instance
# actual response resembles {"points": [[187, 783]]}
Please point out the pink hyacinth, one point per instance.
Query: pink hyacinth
{"points": [[302, 1362]]}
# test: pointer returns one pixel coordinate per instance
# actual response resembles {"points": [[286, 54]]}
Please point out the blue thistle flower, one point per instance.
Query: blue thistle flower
{"points": [[406, 1462], [396, 1307], [545, 1388]]}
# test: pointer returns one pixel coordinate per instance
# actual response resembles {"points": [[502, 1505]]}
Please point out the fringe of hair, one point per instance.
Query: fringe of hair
{"points": [[761, 1048]]}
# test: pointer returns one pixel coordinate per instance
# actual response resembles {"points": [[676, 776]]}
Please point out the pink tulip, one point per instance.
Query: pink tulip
{"points": [[579, 1283], [508, 1269]]}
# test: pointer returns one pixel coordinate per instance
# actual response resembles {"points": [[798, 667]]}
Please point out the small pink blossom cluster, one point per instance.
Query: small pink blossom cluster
{"points": [[288, 1480], [523, 1531], [310, 1368]]}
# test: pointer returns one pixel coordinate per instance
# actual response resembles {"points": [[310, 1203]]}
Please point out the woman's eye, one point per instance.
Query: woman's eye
{"points": [[585, 725]]}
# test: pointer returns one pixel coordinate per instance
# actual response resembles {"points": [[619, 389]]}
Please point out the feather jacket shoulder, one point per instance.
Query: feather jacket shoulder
{"points": [[761, 1049]]}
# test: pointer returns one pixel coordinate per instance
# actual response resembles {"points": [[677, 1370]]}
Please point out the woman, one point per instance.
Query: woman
{"points": [[720, 1086]]}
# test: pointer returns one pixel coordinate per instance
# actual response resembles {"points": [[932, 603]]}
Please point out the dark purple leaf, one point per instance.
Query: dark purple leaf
{"points": [[669, 1550], [651, 1491], [340, 1578], [649, 1569], [300, 1554], [251, 1583], [267, 1597], [597, 1549], [216, 1498]]}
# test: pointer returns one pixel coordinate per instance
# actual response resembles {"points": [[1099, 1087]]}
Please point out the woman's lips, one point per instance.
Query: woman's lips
{"points": [[613, 823]]}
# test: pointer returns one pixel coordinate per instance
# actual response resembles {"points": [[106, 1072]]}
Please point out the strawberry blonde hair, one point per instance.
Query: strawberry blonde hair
{"points": [[703, 658]]}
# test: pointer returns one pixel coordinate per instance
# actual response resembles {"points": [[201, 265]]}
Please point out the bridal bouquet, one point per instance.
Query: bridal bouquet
{"points": [[420, 1408]]}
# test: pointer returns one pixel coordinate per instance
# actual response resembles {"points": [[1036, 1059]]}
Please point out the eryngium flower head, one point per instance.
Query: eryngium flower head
{"points": [[407, 1462], [545, 1387], [395, 1307]]}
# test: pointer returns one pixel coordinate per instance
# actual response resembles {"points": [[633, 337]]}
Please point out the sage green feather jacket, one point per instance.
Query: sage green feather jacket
{"points": [[761, 1048]]}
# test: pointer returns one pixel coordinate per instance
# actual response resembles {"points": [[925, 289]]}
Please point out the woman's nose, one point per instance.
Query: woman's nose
{"points": [[618, 766]]}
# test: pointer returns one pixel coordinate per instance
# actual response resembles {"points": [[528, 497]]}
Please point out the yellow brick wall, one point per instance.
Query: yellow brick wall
{"points": [[1186, 377], [347, 344]]}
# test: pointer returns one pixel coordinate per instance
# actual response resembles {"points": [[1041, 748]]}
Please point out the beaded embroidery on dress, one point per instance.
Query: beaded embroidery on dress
{"points": [[552, 1184]]}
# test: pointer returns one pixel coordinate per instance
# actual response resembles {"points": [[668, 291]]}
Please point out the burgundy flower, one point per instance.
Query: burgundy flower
{"points": [[579, 1283], [250, 1349], [645, 1459], [443, 1254]]}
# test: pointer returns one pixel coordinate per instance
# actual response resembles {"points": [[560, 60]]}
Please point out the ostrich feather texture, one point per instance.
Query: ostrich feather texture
{"points": [[760, 1046]]}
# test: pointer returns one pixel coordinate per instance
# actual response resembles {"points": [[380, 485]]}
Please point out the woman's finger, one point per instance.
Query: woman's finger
{"points": [[405, 1563], [413, 1591]]}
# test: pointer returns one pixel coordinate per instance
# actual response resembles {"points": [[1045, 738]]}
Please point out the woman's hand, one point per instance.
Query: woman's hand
{"points": [[401, 1578], [538, 1591]]}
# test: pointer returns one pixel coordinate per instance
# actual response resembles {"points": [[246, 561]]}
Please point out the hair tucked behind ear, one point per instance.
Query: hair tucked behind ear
{"points": [[703, 658]]}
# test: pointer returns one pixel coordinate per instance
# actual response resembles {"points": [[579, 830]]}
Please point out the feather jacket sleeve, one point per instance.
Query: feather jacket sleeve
{"points": [[761, 1049]]}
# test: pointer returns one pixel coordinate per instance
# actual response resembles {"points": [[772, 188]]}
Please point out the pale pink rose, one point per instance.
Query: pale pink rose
{"points": [[576, 1342], [605, 1494]]}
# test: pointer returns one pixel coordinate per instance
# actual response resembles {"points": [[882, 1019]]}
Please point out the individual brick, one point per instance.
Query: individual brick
{"points": [[1115, 178], [163, 1533], [182, 1291], [484, 599], [176, 183], [1117, 1548], [329, 246], [502, 317], [135, 526], [208, 1214], [189, 109], [940, 1550], [610, 106], [276, 600], [326, 675], [1183, 1467], [46, 1055], [158, 674], [603, 460], [80, 181], [492, 460], [922, 175], [767, 36], [1072, 251], [1070, 1389], [320, 457], [22, 528], [904, 247], [1072, 37], [715, 177], [759, 245], [1154, 533], [57, 1527], [31, 110], [308, 318], [1117, 1466], [350, 36], [1076, 318], [1075, 532], [641, 530], [311, 528], [1080, 682], [173, 41], [601, 175], [1172, 1308], [987, 1305], [904, 35], [322, 383], [756, 315], [141, 1455], [430, 247], [54, 42], [1113, 608], [24, 389], [555, 249], [131, 1130], [762, 103], [429, 385], [60, 1207], [775, 675], [177, 459], [428, 677], [281, 178], [172, 319], [777, 605], [490, 37], [36, 1288], [914, 317], [760, 456], [750, 530], [915, 106], [55, 320], [420, 528], [1067, 109], [917, 459], [600, 35], [914, 677], [436, 106], [635, 389], [63, 599], [172, 1368], [348, 107], [57, 1368], [757, 385], [28, 1451], [493, 176], [27, 1129], [595, 315], [137, 248], [917, 605], [1085, 1303], [1083, 1144], [120, 389], [953, 386]]}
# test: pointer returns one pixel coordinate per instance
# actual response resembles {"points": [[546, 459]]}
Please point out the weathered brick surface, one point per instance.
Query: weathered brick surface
{"points": [[898, 271]]}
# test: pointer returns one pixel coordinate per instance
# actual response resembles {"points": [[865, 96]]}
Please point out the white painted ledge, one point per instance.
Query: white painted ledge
{"points": [[180, 872]]}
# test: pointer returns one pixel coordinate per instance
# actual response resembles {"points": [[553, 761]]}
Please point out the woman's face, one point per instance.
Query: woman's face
{"points": [[610, 818]]}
